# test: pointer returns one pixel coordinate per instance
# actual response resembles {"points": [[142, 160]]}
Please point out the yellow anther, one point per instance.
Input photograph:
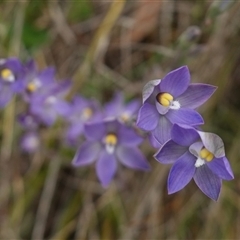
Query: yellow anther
{"points": [[206, 155], [87, 113], [31, 87], [111, 139], [164, 99], [7, 74]]}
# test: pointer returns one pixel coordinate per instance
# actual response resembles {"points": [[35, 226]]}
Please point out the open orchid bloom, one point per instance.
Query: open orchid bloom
{"points": [[28, 121], [198, 155], [81, 111], [124, 112], [172, 100], [51, 104], [107, 142], [11, 79], [37, 81], [30, 142]]}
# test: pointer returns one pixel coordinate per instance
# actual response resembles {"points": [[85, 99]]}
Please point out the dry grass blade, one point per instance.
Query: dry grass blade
{"points": [[46, 198], [98, 45]]}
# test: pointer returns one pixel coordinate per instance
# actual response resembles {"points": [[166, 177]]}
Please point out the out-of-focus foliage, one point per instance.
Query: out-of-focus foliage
{"points": [[80, 11]]}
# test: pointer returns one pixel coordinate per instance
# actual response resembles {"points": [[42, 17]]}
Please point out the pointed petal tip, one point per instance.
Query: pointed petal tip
{"points": [[214, 198], [172, 191], [169, 193], [105, 185], [184, 67], [209, 183]]}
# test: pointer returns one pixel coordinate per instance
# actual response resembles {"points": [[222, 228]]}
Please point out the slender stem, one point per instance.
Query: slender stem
{"points": [[46, 199]]}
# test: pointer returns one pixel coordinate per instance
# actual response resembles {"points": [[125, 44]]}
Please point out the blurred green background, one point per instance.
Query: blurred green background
{"points": [[106, 46]]}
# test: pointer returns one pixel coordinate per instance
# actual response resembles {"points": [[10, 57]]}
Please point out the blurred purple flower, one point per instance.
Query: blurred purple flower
{"points": [[118, 109], [198, 155], [28, 121], [82, 111], [50, 104], [172, 100], [106, 142], [30, 142], [11, 79], [36, 81]]}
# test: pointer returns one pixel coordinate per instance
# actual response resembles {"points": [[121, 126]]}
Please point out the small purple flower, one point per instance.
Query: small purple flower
{"points": [[198, 155], [172, 100], [30, 142], [28, 121], [106, 142], [82, 111], [11, 79], [36, 81], [118, 109], [51, 104]]}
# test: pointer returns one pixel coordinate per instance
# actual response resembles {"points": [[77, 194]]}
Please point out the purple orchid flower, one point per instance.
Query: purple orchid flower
{"points": [[51, 104], [28, 121], [30, 142], [108, 141], [36, 81], [118, 109], [82, 111], [172, 100], [11, 79], [198, 155]]}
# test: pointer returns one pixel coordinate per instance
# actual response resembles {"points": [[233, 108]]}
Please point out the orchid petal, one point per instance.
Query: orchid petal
{"points": [[94, 131], [147, 117], [221, 168], [209, 183], [195, 148], [47, 75], [170, 152], [176, 82], [62, 108], [153, 141], [185, 116], [114, 107], [195, 95], [106, 168], [161, 109], [132, 107], [181, 173], [149, 88], [128, 137], [75, 130], [86, 154], [132, 158], [184, 136], [162, 132], [213, 143]]}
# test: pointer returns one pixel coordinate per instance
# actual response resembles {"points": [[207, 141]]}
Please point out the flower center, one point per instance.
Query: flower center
{"points": [[110, 142], [87, 113], [166, 100], [51, 100], [32, 142], [204, 156], [124, 117], [33, 86], [7, 75]]}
